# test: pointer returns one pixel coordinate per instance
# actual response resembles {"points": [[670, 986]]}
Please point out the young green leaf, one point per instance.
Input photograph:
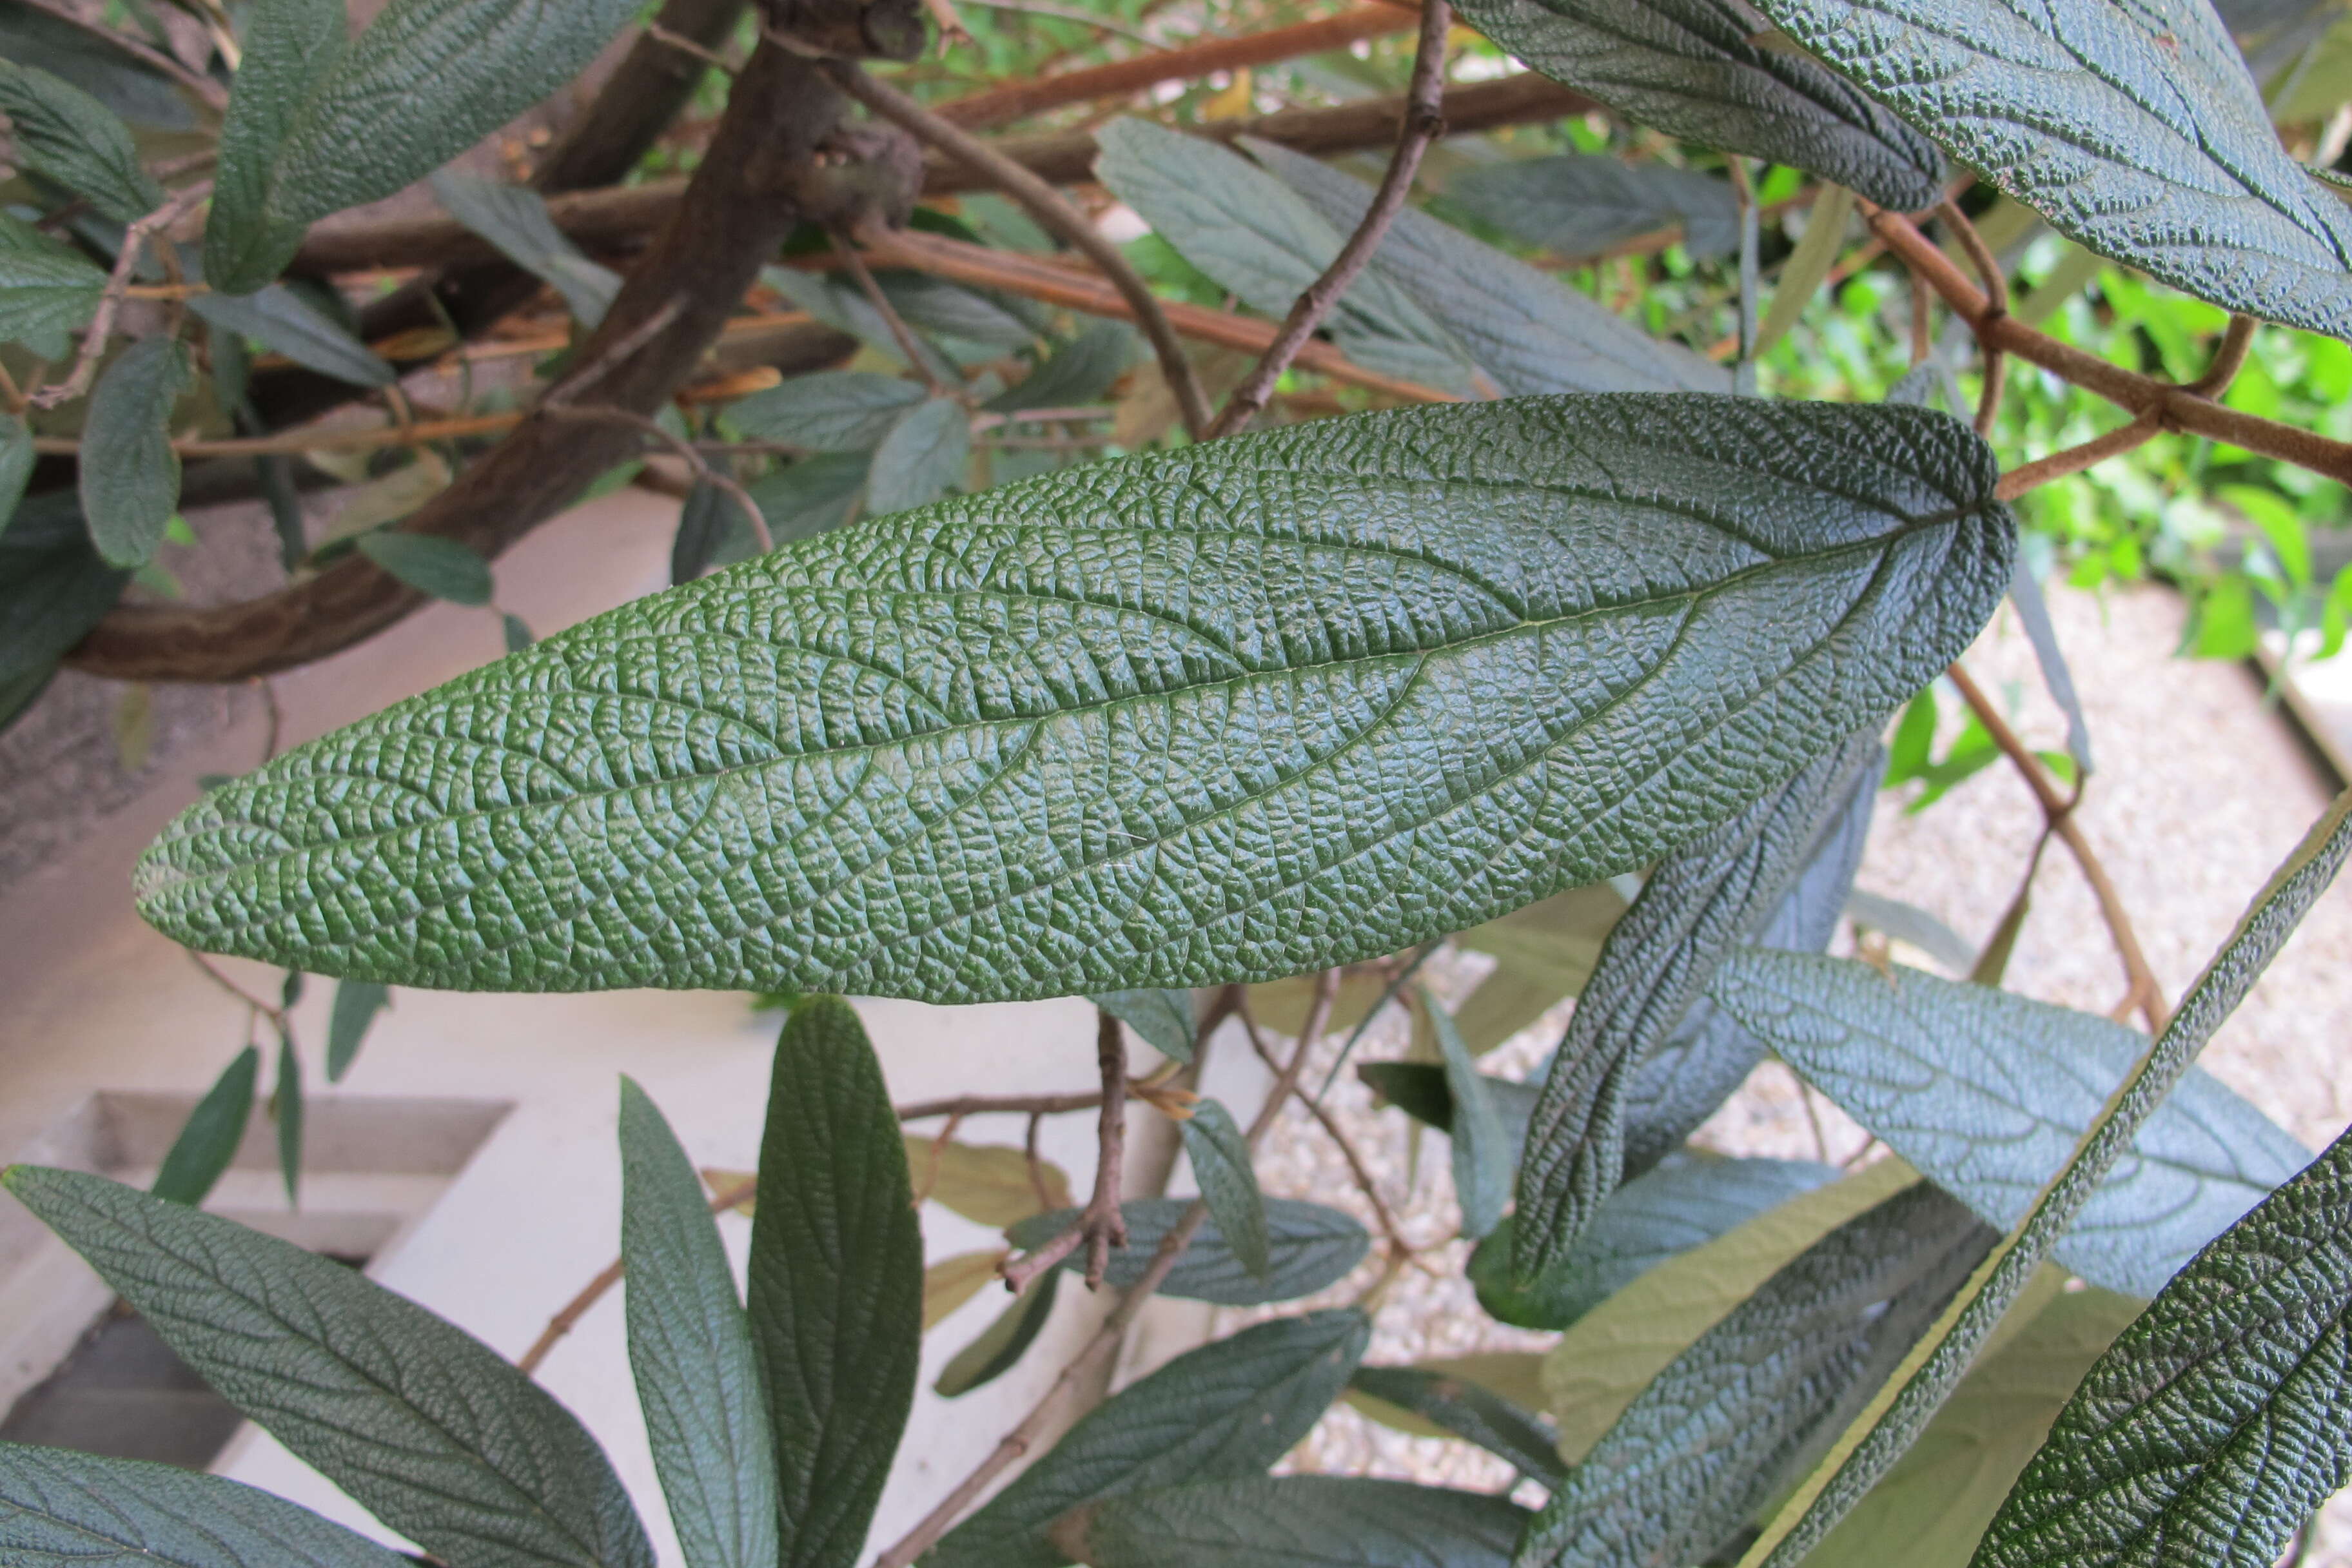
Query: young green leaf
{"points": [[1284, 1521], [286, 1108], [1002, 1345], [1228, 1181], [514, 219], [924, 454], [1742, 584], [427, 80], [831, 411], [1482, 1144], [425, 1425], [1581, 204], [1987, 1093], [129, 475], [63, 1510], [1164, 1018], [1657, 960], [280, 318], [1223, 1412], [1707, 1443], [208, 1139], [1878, 1436], [1695, 69], [690, 1350], [2214, 1425], [1464, 1409], [357, 1002], [1527, 330], [836, 1282], [46, 288], [63, 134], [1308, 1246], [446, 569], [2136, 132]]}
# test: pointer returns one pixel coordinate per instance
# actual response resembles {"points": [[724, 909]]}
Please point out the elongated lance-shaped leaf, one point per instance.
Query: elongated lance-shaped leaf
{"points": [[63, 1510], [208, 1139], [61, 133], [1707, 1443], [836, 1289], [697, 1379], [2216, 1424], [514, 219], [1878, 1438], [1002, 1345], [425, 1425], [1657, 960], [1476, 1415], [1527, 330], [1482, 1142], [1695, 69], [1284, 1522], [1164, 1018], [357, 1002], [1223, 1412], [1235, 713], [131, 484], [2134, 129], [1221, 1164], [1581, 204], [1710, 1054], [2057, 678], [1308, 1246], [1987, 1093], [289, 45], [285, 1106]]}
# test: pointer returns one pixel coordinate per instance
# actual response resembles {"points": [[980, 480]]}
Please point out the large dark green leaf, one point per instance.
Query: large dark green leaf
{"points": [[63, 134], [1221, 1164], [1223, 1412], [1082, 732], [836, 1291], [831, 411], [1579, 204], [1657, 960], [514, 219], [1476, 1413], [1308, 1246], [46, 289], [697, 1379], [208, 1139], [52, 586], [1292, 1521], [129, 475], [1695, 69], [2216, 1424], [63, 1510], [425, 1425], [2134, 129], [1708, 1442], [1987, 1092], [427, 80], [1525, 329]]}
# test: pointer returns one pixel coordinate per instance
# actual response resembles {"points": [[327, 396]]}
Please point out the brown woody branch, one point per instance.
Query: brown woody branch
{"points": [[1421, 126], [1103, 1226]]}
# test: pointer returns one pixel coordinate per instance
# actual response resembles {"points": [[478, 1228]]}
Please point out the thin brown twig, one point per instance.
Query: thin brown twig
{"points": [[2147, 993], [1422, 124], [1050, 209], [2075, 459], [1036, 1162], [2228, 358], [1399, 1247], [939, 1153], [702, 469], [672, 39], [276, 1015], [1996, 287], [110, 302], [215, 96], [900, 333], [965, 1105], [1102, 1225]]}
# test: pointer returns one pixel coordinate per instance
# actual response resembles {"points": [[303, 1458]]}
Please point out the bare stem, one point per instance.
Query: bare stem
{"points": [[900, 333], [1102, 1226], [1399, 1247], [2075, 459], [110, 302]]}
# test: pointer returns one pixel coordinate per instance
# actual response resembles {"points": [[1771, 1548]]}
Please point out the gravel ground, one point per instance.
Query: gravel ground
{"points": [[2198, 793]]}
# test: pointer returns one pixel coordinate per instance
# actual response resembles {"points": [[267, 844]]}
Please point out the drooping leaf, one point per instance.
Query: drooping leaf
{"points": [[46, 289], [1527, 330], [831, 411], [53, 585], [1682, 1204], [280, 318], [1164, 1018], [806, 497], [357, 1002], [289, 47], [951, 1281], [515, 632], [1581, 204], [129, 475], [2214, 1425], [1228, 1182], [1462, 1408], [1482, 1143], [840, 304], [1824, 563], [60, 1508], [1708, 1442], [1932, 1507], [285, 1106], [836, 1282], [1308, 1246], [514, 219], [1987, 1092], [1076, 374], [1249, 232], [1656, 962], [952, 312], [1543, 954], [208, 1139], [445, 568], [924, 453], [422, 1423], [1421, 1090], [427, 80], [1808, 267], [1223, 1412], [1002, 1345], [1909, 922], [2136, 132], [2033, 614], [143, 95], [1696, 71], [690, 1350], [1287, 1521], [703, 521], [988, 1183], [64, 136]]}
